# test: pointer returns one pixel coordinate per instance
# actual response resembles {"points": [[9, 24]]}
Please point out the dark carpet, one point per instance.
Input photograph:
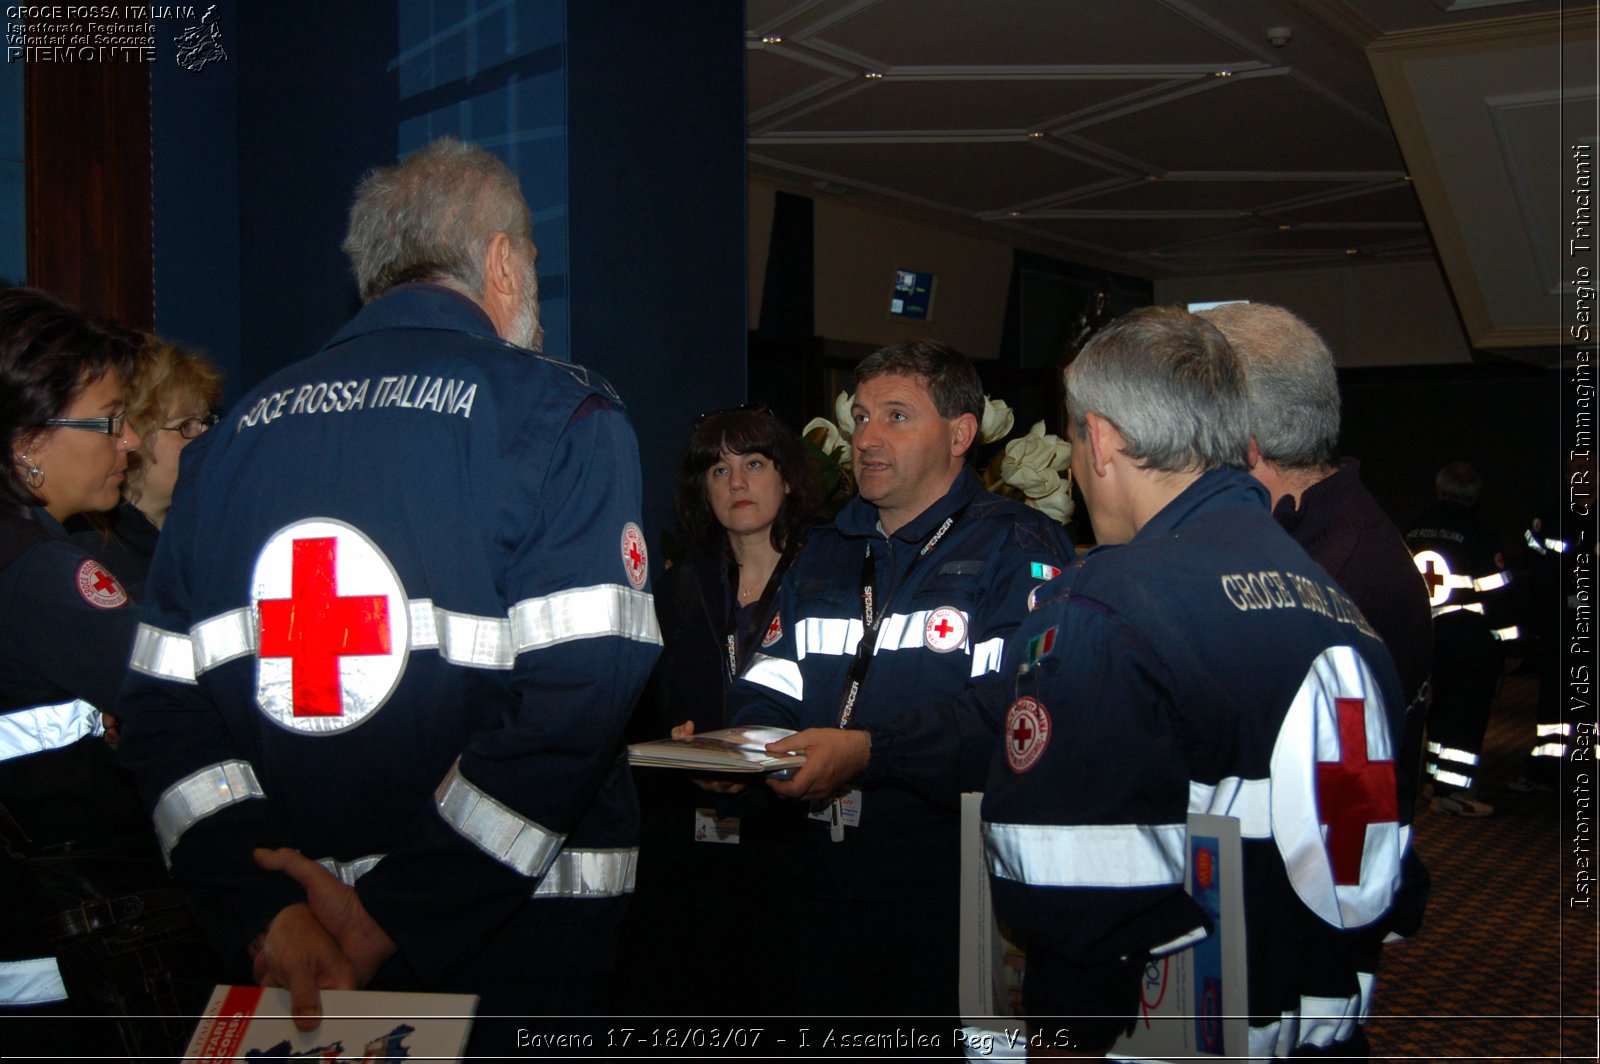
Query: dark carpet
{"points": [[1503, 968]]}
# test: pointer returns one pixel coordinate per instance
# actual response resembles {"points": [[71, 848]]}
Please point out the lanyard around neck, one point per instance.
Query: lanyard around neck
{"points": [[872, 614]]}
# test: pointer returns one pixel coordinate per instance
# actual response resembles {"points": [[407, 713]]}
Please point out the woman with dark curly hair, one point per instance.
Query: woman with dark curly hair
{"points": [[746, 495], [89, 922]]}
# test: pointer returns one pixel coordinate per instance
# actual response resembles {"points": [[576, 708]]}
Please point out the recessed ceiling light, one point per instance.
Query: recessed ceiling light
{"points": [[1350, 251], [1222, 74], [873, 74], [1016, 214], [772, 39], [1152, 177], [1285, 227], [1036, 135]]}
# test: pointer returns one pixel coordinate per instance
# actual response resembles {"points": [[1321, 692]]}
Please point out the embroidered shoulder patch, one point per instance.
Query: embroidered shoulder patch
{"points": [[99, 588], [1027, 733], [635, 560]]}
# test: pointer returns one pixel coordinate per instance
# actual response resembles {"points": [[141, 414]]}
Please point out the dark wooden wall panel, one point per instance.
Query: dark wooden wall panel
{"points": [[88, 186]]}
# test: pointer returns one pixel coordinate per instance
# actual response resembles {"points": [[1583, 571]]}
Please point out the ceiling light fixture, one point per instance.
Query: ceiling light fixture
{"points": [[1222, 74], [1035, 135], [1278, 36], [772, 39], [873, 74]]}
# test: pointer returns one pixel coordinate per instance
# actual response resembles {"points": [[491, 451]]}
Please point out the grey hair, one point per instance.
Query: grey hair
{"points": [[431, 217], [1294, 392], [1170, 384], [952, 381], [1458, 482]]}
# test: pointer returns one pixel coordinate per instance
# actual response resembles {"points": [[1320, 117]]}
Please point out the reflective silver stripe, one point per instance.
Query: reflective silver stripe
{"points": [[584, 613], [1532, 541], [1319, 1021], [1450, 753], [827, 635], [1087, 855], [41, 728], [347, 872], [1508, 632], [987, 656], [35, 981], [199, 795], [1550, 750], [461, 638], [163, 654], [590, 874], [1454, 779], [1557, 545], [776, 674], [607, 873], [1457, 580], [1247, 801], [1492, 581], [1470, 607], [220, 639], [1553, 729], [515, 841], [904, 631]]}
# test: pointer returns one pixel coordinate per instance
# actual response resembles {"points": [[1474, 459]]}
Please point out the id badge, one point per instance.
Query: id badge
{"points": [[708, 828], [843, 811]]}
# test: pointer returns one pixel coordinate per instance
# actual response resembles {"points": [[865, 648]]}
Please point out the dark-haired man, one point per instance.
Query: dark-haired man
{"points": [[892, 621], [396, 622], [1198, 661]]}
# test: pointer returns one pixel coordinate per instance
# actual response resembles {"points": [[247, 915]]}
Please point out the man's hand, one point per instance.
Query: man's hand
{"points": [[297, 953], [339, 910], [834, 757]]}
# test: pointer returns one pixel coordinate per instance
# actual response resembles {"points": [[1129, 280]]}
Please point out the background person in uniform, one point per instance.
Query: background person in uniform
{"points": [[90, 925], [1469, 590], [892, 622], [397, 620], [1197, 661], [170, 398], [745, 495]]}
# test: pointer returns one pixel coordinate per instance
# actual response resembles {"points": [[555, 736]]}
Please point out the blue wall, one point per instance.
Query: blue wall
{"points": [[623, 119]]}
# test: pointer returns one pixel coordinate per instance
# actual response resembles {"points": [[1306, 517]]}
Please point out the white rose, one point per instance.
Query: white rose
{"points": [[825, 435], [1058, 504], [842, 416], [1032, 463], [997, 420]]}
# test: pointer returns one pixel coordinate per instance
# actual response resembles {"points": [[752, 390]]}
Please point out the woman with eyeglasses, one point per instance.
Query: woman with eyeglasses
{"points": [[746, 494], [89, 922], [169, 404]]}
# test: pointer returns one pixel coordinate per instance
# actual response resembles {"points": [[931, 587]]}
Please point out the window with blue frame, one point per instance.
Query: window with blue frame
{"points": [[493, 72]]}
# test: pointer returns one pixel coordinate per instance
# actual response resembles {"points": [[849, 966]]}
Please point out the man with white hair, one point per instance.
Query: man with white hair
{"points": [[397, 620], [1198, 661]]}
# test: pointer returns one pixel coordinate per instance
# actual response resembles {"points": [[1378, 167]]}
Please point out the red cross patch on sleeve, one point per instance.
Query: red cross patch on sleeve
{"points": [[99, 588]]}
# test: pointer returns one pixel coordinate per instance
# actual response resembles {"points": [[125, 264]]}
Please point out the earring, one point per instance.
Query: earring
{"points": [[34, 475]]}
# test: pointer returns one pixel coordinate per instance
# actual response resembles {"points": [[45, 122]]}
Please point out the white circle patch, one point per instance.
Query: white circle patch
{"points": [[635, 559], [1027, 733], [333, 627], [1334, 805], [774, 632], [99, 588], [946, 629]]}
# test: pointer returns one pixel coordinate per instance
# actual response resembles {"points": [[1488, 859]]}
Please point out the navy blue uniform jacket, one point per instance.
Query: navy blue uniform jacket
{"points": [[397, 619]]}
